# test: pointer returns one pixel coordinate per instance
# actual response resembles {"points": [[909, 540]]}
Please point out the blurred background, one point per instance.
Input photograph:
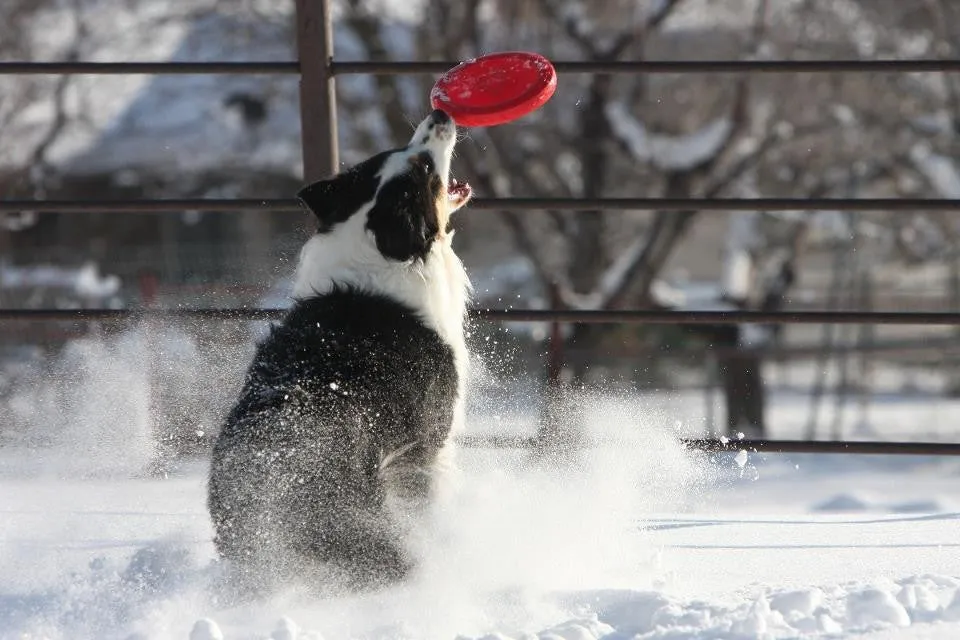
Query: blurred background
{"points": [[800, 135]]}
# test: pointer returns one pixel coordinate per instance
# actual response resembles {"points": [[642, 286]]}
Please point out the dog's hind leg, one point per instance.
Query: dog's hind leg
{"points": [[408, 479], [365, 549]]}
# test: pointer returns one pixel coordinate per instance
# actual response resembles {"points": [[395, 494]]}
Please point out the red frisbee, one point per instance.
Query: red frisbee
{"points": [[495, 88]]}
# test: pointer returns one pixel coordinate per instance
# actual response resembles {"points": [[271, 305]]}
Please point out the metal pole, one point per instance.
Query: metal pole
{"points": [[408, 67], [625, 316], [142, 68], [717, 445], [382, 67], [327, 145], [318, 98]]}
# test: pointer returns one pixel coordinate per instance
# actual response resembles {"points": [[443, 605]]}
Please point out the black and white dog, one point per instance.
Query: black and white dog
{"points": [[345, 419]]}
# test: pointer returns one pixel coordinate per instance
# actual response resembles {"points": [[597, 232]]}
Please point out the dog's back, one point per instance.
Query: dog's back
{"points": [[348, 383]]}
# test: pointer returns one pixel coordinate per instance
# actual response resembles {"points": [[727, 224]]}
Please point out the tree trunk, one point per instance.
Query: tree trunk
{"points": [[587, 262]]}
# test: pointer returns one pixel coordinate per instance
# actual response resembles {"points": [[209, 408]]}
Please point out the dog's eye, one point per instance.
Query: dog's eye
{"points": [[426, 162], [423, 162]]}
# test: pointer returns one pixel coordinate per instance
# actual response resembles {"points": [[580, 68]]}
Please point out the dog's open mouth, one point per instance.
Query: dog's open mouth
{"points": [[458, 192]]}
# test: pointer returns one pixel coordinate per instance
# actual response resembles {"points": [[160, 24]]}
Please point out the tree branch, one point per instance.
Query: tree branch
{"points": [[940, 24], [574, 23], [469, 29], [366, 26], [631, 36], [491, 180], [637, 272], [529, 165]]}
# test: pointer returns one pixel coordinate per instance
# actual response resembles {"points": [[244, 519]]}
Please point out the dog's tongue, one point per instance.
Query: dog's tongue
{"points": [[457, 190]]}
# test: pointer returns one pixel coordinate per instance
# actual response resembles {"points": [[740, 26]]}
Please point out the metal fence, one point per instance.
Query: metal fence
{"points": [[317, 69]]}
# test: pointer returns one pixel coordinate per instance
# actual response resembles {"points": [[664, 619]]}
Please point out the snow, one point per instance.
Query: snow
{"points": [[183, 123], [132, 558], [612, 280], [634, 537], [85, 281], [691, 295], [729, 14], [133, 32], [743, 237], [206, 629], [939, 170], [741, 458]]}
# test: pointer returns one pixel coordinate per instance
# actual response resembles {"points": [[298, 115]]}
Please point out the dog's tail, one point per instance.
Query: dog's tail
{"points": [[392, 456]]}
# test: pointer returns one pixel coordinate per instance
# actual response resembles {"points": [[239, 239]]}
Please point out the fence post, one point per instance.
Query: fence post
{"points": [[560, 429], [555, 343], [318, 98]]}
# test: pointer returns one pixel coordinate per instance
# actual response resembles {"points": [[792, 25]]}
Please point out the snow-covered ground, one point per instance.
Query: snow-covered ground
{"points": [[646, 544], [633, 539]]}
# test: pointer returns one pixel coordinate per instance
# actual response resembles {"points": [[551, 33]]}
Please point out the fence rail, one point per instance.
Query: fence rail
{"points": [[148, 68], [408, 67], [584, 316], [343, 67], [512, 204], [717, 445]]}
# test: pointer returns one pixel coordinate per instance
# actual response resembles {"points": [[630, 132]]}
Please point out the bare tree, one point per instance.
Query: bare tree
{"points": [[607, 136], [31, 171], [603, 145]]}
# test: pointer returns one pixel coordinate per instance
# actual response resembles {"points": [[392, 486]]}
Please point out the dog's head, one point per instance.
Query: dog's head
{"points": [[405, 195]]}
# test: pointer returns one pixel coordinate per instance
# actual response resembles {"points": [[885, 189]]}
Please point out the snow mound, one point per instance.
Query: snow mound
{"points": [[919, 601], [852, 503], [842, 502], [952, 612], [286, 629], [206, 629], [797, 604], [929, 505], [577, 630]]}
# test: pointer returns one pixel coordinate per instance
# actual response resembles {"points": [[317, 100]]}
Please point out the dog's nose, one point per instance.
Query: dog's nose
{"points": [[440, 117]]}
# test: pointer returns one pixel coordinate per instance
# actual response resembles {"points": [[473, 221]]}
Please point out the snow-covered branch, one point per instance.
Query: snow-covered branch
{"points": [[680, 158], [940, 171], [492, 173], [613, 279], [573, 15], [86, 281], [669, 153], [367, 27], [659, 11]]}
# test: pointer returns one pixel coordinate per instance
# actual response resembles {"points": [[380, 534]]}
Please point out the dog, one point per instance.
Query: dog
{"points": [[343, 426]]}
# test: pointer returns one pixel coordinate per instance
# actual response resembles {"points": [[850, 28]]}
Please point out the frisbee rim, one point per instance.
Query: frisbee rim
{"points": [[526, 101]]}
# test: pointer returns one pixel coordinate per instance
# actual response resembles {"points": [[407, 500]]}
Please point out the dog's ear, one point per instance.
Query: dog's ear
{"points": [[329, 200], [404, 220], [335, 199]]}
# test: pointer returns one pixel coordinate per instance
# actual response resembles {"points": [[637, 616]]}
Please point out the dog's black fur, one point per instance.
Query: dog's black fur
{"points": [[352, 396], [290, 483]]}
